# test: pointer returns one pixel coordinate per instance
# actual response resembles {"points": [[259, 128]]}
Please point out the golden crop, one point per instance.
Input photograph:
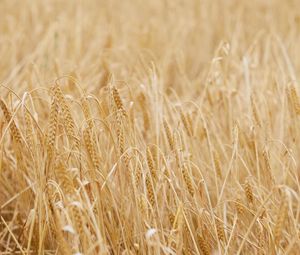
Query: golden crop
{"points": [[149, 127]]}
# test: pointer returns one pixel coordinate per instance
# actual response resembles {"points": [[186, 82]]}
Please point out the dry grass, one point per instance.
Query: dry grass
{"points": [[149, 127]]}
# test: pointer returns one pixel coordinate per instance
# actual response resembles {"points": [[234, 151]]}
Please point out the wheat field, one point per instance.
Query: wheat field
{"points": [[149, 127]]}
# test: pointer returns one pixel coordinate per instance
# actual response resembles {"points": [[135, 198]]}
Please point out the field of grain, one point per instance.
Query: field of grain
{"points": [[149, 127]]}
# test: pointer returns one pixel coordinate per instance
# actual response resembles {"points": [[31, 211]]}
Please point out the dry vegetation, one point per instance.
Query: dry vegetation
{"points": [[149, 127]]}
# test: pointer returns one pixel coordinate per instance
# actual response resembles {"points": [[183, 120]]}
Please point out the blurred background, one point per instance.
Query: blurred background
{"points": [[181, 38]]}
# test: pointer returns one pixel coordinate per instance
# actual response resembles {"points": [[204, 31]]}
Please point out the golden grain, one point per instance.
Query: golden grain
{"points": [[13, 128], [149, 127], [188, 180]]}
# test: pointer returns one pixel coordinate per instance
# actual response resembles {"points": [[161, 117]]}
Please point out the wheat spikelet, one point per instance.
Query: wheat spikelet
{"points": [[169, 135], [150, 190], [60, 98], [91, 148], [53, 123], [185, 123], [137, 176], [261, 241], [190, 123], [294, 99], [63, 245], [179, 219], [69, 122], [151, 163], [239, 207], [29, 130], [64, 179], [248, 192], [176, 151], [266, 159], [220, 230], [171, 219], [217, 164], [13, 128], [120, 135], [142, 204], [187, 251], [203, 245], [267, 164], [69, 189], [87, 112], [280, 219], [188, 180], [142, 102], [118, 101], [146, 119], [185, 226], [72, 79], [201, 133], [126, 160], [76, 213], [154, 153]]}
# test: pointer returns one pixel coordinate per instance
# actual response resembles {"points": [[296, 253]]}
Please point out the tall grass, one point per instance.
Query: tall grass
{"points": [[149, 127]]}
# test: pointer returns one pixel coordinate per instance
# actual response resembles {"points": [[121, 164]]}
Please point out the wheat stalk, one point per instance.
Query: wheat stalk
{"points": [[13, 128]]}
